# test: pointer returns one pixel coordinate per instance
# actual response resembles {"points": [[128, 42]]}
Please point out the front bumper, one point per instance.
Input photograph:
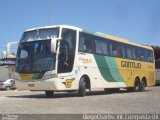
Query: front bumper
{"points": [[44, 85]]}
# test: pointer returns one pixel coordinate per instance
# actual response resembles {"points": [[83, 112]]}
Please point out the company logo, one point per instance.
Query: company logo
{"points": [[85, 60], [128, 64]]}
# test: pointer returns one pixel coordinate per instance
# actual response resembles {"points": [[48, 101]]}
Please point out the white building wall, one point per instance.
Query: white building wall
{"points": [[4, 73]]}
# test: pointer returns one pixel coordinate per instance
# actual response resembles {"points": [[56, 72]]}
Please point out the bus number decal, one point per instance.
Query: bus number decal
{"points": [[68, 83]]}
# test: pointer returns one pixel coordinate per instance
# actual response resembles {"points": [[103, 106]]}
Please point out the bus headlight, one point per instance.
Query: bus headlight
{"points": [[49, 76]]}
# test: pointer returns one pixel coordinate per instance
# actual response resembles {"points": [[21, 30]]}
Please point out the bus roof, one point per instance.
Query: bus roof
{"points": [[55, 26], [103, 35]]}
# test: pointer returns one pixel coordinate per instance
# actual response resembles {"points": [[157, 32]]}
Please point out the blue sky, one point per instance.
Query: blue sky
{"points": [[135, 20]]}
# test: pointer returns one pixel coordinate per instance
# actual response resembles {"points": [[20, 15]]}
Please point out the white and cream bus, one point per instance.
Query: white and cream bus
{"points": [[67, 58]]}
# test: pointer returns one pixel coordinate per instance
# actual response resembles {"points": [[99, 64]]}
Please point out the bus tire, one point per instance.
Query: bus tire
{"points": [[142, 85], [49, 93], [82, 87], [136, 87]]}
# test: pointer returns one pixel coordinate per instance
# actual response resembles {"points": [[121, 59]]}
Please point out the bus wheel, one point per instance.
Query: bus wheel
{"points": [[142, 85], [82, 87], [49, 93], [136, 85]]}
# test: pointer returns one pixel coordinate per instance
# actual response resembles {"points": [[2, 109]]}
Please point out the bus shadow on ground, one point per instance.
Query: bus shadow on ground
{"points": [[73, 94]]}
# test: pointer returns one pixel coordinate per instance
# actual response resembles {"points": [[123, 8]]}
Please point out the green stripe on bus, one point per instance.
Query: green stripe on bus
{"points": [[108, 68]]}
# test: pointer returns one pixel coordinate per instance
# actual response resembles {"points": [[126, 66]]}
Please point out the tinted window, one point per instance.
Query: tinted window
{"points": [[129, 52], [101, 46], [116, 49], [94, 44], [86, 43], [149, 55]]}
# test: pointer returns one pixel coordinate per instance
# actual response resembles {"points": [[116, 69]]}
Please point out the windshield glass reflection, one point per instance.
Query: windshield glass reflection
{"points": [[35, 57]]}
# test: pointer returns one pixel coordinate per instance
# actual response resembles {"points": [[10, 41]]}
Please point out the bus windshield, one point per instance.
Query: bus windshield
{"points": [[35, 57]]}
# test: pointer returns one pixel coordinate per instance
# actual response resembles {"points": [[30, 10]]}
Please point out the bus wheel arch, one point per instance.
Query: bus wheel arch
{"points": [[84, 83], [87, 80]]}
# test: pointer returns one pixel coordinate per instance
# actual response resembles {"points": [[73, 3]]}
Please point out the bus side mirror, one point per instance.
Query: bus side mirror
{"points": [[54, 43]]}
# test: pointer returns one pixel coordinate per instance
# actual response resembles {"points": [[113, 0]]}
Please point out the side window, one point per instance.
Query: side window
{"points": [[123, 52], [82, 46], [98, 47], [110, 49], [86, 43], [119, 50], [129, 52], [140, 54], [116, 49], [149, 56], [105, 47], [101, 46], [136, 53]]}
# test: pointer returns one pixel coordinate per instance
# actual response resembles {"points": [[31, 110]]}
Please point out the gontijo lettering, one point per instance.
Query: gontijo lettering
{"points": [[128, 64]]}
